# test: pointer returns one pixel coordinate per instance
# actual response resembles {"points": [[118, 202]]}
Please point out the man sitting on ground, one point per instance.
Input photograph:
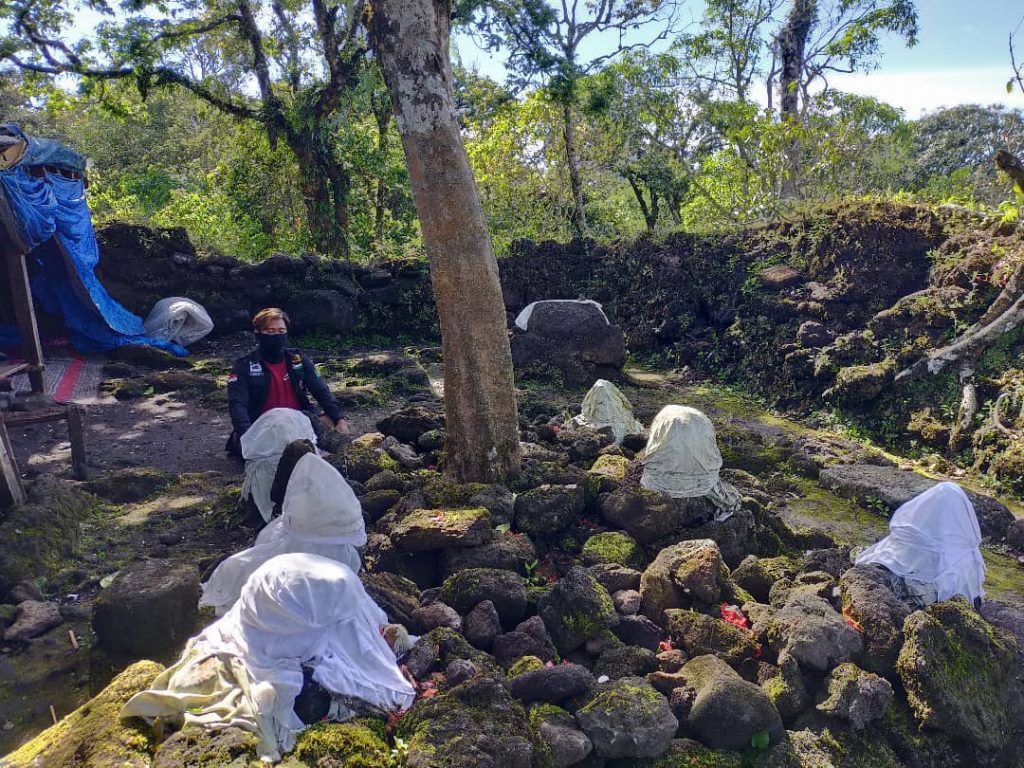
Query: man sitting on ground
{"points": [[277, 376]]}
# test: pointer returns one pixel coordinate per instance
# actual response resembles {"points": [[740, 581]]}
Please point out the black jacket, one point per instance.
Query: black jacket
{"points": [[248, 386]]}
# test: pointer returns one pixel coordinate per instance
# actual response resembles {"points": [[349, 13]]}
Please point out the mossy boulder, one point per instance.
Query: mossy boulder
{"points": [[693, 754], [625, 661], [195, 746], [37, 537], [868, 600], [93, 736], [649, 516], [963, 676], [473, 725], [426, 529], [785, 687], [360, 461], [627, 718], [856, 696], [467, 589], [524, 665], [610, 470], [408, 424], [613, 547], [727, 711], [507, 551], [397, 596], [576, 609], [857, 385], [557, 729], [685, 574], [699, 634], [342, 745], [548, 510], [810, 630]]}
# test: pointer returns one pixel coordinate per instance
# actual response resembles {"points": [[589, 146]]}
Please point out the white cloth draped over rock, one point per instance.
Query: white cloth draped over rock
{"points": [[320, 516], [606, 406], [262, 446], [523, 318], [934, 539], [245, 669], [682, 459]]}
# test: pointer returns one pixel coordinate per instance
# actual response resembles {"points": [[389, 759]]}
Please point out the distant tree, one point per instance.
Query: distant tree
{"points": [[300, 59], [545, 45], [961, 141], [820, 37], [411, 38]]}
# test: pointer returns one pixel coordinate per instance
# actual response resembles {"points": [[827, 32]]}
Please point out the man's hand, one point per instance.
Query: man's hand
{"points": [[341, 427]]}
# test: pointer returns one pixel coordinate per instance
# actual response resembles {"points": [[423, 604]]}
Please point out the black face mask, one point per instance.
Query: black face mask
{"points": [[272, 345]]}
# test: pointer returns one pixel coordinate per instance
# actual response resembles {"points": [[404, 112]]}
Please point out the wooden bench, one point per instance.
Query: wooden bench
{"points": [[75, 417]]}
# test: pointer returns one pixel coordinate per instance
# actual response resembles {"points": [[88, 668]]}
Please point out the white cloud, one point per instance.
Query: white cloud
{"points": [[925, 91]]}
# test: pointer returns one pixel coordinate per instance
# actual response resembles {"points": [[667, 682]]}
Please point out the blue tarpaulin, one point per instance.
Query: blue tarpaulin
{"points": [[54, 222]]}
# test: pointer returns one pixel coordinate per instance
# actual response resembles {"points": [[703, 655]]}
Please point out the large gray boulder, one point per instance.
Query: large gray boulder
{"points": [[553, 684], [559, 732], [467, 589], [649, 516], [868, 600], [576, 609], [549, 509], [856, 696], [627, 718], [573, 338], [892, 487], [686, 574], [699, 634], [149, 609], [727, 710], [810, 630], [963, 676]]}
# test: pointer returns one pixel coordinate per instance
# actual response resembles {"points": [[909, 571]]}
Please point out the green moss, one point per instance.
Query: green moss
{"points": [[589, 621], [539, 713], [610, 466], [347, 745], [524, 665], [625, 697], [613, 547], [691, 754], [444, 493]]}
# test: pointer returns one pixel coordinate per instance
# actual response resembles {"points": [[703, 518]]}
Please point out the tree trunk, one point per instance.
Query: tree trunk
{"points": [[379, 208], [324, 184], [482, 445], [792, 42], [650, 212], [572, 158], [1009, 164]]}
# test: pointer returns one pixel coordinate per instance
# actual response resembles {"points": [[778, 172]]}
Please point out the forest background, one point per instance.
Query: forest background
{"points": [[264, 126]]}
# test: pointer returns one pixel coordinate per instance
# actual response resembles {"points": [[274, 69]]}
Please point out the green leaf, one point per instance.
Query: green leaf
{"points": [[1009, 85], [760, 740]]}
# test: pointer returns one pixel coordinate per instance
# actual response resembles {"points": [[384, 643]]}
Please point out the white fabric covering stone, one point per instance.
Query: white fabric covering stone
{"points": [[934, 538], [178, 319], [682, 459], [245, 669], [320, 516], [606, 406], [262, 446], [523, 318]]}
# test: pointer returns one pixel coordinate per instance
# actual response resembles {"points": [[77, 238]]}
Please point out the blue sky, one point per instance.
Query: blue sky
{"points": [[961, 57]]}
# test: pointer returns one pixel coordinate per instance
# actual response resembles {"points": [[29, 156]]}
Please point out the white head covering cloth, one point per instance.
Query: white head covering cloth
{"points": [[320, 515], [934, 538], [294, 608], [682, 459], [606, 406], [262, 446]]}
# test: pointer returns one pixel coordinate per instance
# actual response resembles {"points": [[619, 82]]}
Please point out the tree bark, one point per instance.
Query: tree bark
{"points": [[325, 185], [572, 158], [650, 212], [382, 114], [792, 42], [482, 426], [1009, 164]]}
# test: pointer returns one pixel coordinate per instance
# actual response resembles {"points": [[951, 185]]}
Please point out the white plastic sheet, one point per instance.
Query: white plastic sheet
{"points": [[262, 446], [682, 459], [606, 406], [934, 538], [294, 609], [523, 319], [320, 516], [178, 319]]}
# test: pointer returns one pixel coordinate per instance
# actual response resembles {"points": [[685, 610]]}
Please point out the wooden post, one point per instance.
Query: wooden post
{"points": [[76, 433], [11, 490], [21, 295]]}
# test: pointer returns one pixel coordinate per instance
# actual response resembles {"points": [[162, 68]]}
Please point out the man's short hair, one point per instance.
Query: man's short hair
{"points": [[265, 316]]}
